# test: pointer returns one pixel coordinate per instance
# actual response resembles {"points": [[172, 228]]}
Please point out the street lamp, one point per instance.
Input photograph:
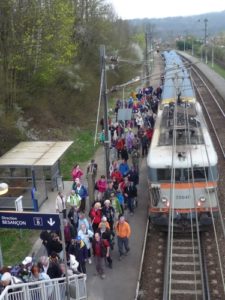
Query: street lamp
{"points": [[3, 188]]}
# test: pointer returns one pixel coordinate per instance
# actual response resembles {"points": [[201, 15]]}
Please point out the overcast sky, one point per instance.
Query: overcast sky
{"points": [[130, 9]]}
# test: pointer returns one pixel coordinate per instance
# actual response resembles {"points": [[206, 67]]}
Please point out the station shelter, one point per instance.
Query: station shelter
{"points": [[31, 170]]}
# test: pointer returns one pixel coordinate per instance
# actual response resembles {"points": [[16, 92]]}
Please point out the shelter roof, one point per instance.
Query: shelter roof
{"points": [[36, 153]]}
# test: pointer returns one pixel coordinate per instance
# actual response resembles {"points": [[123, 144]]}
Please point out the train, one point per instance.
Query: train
{"points": [[182, 161]]}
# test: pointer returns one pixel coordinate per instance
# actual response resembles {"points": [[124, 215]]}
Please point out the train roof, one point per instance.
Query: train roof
{"points": [[177, 80], [181, 137], [188, 139]]}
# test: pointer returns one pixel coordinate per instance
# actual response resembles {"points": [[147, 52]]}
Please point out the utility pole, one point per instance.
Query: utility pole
{"points": [[105, 102], [146, 55], [212, 60], [205, 40]]}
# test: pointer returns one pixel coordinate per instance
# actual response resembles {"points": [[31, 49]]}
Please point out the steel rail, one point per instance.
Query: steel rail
{"points": [[210, 119], [204, 272], [205, 84]]}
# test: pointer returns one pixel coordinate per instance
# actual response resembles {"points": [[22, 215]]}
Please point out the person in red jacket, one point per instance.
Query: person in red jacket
{"points": [[101, 186], [117, 174], [149, 133], [119, 146], [100, 249], [96, 215]]}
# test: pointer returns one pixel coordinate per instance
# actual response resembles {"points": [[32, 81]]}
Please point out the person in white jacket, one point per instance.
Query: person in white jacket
{"points": [[61, 204], [86, 236]]}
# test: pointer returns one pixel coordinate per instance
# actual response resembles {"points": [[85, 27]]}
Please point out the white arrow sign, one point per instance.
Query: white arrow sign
{"points": [[51, 222]]}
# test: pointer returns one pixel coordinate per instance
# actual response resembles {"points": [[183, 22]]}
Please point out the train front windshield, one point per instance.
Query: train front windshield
{"points": [[184, 175]]}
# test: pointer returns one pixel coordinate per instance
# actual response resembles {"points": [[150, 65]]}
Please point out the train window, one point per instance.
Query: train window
{"points": [[165, 174], [200, 174], [183, 175]]}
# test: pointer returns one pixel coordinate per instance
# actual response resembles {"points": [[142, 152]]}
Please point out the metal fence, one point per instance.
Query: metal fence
{"points": [[54, 289]]}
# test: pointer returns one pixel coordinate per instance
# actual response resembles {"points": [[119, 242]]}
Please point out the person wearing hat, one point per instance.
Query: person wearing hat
{"points": [[27, 261], [79, 250]]}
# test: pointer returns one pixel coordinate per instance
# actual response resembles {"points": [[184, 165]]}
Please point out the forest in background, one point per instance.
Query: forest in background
{"points": [[50, 65], [50, 62]]}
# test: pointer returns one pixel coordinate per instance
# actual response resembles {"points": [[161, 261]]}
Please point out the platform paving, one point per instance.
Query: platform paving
{"points": [[121, 281], [213, 77]]}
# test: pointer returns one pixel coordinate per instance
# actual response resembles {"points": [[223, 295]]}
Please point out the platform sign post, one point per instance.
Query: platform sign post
{"points": [[29, 220], [19, 208], [19, 204], [64, 253]]}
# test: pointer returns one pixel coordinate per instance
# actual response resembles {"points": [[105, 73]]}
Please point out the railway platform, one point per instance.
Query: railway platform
{"points": [[121, 280], [213, 77]]}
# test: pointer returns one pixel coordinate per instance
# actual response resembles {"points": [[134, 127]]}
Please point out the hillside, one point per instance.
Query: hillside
{"points": [[191, 25]]}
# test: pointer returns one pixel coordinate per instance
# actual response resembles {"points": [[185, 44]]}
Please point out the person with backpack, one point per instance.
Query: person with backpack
{"points": [[86, 235], [100, 250], [79, 250]]}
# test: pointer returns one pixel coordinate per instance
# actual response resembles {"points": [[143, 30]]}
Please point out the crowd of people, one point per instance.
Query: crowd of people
{"points": [[90, 235]]}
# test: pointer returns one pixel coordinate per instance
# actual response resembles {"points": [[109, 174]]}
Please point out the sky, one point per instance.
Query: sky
{"points": [[131, 9]]}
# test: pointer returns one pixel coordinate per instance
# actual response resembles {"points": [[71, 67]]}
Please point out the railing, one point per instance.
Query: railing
{"points": [[54, 289]]}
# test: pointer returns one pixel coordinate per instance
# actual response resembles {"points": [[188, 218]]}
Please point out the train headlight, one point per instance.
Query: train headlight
{"points": [[202, 199], [165, 201]]}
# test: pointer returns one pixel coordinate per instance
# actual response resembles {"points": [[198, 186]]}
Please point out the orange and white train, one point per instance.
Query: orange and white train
{"points": [[182, 161]]}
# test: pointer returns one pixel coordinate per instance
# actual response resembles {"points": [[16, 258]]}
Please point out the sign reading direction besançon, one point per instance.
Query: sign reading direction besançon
{"points": [[29, 220]]}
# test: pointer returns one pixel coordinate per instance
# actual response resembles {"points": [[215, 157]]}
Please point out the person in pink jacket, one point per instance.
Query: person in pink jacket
{"points": [[77, 172]]}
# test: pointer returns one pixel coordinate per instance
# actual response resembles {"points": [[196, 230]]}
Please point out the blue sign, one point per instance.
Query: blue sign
{"points": [[29, 220]]}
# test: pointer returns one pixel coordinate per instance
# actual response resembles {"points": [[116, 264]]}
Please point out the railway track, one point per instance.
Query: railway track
{"points": [[186, 276], [213, 104]]}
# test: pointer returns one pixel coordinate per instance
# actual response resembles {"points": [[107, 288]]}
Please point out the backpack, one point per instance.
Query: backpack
{"points": [[103, 249]]}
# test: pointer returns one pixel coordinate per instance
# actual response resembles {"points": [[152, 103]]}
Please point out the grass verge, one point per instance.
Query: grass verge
{"points": [[80, 151], [16, 245], [219, 70]]}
